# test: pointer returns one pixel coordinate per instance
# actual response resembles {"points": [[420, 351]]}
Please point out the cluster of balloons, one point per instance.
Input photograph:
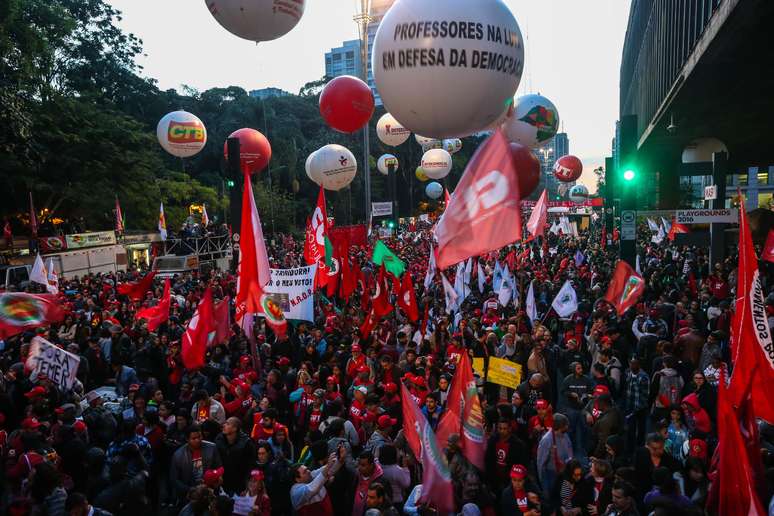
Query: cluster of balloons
{"points": [[333, 167], [257, 20]]}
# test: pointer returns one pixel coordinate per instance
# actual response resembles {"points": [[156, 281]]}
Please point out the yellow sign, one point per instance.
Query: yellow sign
{"points": [[504, 372], [478, 366]]}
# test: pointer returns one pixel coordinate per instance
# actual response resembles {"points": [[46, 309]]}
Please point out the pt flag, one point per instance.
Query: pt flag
{"points": [[436, 478], [407, 299], [464, 415], [625, 288], [536, 225], [318, 248], [156, 315], [484, 213], [380, 301], [752, 351], [136, 290], [20, 312], [383, 255], [253, 271], [197, 335]]}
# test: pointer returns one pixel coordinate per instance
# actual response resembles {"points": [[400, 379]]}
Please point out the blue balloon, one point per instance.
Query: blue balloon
{"points": [[434, 190]]}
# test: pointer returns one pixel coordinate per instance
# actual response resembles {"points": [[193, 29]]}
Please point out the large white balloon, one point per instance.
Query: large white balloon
{"points": [[579, 193], [533, 122], [436, 163], [308, 167], [384, 162], [181, 134], [447, 68], [434, 190], [390, 132], [333, 166], [257, 20]]}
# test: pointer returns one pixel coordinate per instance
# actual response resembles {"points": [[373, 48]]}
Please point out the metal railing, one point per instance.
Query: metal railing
{"points": [[211, 248]]}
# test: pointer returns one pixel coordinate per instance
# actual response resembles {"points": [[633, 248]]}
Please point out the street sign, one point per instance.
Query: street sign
{"points": [[235, 237], [727, 216], [628, 225], [710, 192]]}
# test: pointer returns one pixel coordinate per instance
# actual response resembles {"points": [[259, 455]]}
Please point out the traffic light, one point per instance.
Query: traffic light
{"points": [[629, 173], [391, 224], [230, 183]]}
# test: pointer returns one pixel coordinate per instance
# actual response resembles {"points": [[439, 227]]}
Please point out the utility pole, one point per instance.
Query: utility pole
{"points": [[626, 177], [363, 18], [234, 174]]}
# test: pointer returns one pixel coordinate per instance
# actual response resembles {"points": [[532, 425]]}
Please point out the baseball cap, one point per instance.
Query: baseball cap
{"points": [[244, 359], [541, 405], [256, 474], [386, 421], [211, 476], [332, 379], [35, 391], [419, 380], [518, 471], [363, 389], [697, 448], [261, 338], [92, 396], [30, 423], [600, 390], [79, 426], [355, 347], [283, 361], [390, 388]]}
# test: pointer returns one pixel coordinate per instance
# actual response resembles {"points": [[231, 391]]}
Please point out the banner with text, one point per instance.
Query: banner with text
{"points": [[504, 372], [381, 209], [356, 235], [293, 291], [80, 240], [726, 215], [47, 360]]}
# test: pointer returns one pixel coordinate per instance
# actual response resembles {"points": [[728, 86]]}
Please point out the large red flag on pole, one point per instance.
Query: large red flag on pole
{"points": [[156, 315], [136, 290], [484, 213], [536, 225], [464, 416], [197, 334], [407, 299], [625, 288], [119, 218], [751, 344], [318, 247], [436, 478], [253, 271]]}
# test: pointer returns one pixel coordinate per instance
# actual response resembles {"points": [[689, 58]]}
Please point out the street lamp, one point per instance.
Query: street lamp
{"points": [[363, 18]]}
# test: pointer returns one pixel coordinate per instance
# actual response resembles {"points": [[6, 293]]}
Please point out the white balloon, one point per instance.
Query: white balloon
{"points": [[702, 149], [308, 168], [452, 146], [579, 193], [257, 20], [447, 68], [333, 166], [434, 190], [384, 162], [436, 163], [181, 134], [427, 143], [390, 131], [533, 122]]}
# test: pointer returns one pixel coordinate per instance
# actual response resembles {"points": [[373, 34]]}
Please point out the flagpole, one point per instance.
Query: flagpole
{"points": [[235, 200]]}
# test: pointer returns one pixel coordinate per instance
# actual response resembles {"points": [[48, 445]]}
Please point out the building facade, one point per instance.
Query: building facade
{"points": [[265, 93], [547, 154], [344, 60]]}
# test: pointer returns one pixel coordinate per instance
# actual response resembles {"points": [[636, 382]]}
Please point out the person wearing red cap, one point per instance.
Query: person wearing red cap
{"points": [[503, 450], [256, 488], [418, 389], [356, 361], [242, 399], [213, 478], [332, 393], [381, 436], [521, 496]]}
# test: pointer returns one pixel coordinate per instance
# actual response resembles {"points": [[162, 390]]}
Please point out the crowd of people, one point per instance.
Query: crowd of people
{"points": [[614, 415]]}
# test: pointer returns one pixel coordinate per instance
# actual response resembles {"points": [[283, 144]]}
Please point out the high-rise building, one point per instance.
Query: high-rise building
{"points": [[378, 9], [547, 154], [265, 93], [344, 60]]}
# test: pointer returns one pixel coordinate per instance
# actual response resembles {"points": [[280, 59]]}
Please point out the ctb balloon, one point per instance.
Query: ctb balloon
{"points": [[254, 150], [436, 163], [527, 167], [386, 161], [447, 68], [257, 20], [434, 190], [333, 167], [568, 169], [181, 134], [346, 103], [533, 122], [390, 131]]}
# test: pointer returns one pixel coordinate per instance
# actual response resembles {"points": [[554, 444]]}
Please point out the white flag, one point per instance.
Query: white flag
{"points": [[564, 223], [637, 265], [666, 225], [658, 237], [53, 279], [39, 273], [205, 217], [652, 225], [555, 228], [531, 307], [504, 296], [162, 222], [459, 281], [468, 271], [566, 302], [497, 277], [481, 278], [430, 275], [451, 296]]}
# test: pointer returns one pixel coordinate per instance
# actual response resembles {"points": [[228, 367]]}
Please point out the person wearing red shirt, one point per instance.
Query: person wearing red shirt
{"points": [[264, 425], [419, 390], [540, 423], [244, 368], [455, 350], [520, 497], [332, 393], [242, 401], [357, 360], [316, 410], [717, 284]]}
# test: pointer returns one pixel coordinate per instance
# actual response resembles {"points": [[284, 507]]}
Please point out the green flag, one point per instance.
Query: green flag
{"points": [[384, 256]]}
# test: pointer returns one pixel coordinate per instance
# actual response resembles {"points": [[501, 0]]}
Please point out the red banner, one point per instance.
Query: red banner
{"points": [[52, 244], [355, 234], [596, 202]]}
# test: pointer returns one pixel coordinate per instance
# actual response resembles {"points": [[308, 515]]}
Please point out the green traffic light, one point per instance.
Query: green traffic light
{"points": [[628, 174], [391, 224], [230, 183]]}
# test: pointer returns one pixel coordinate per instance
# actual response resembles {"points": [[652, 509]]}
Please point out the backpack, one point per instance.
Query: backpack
{"points": [[669, 389]]}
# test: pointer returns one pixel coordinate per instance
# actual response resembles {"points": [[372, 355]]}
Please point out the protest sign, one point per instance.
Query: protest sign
{"points": [[56, 364], [478, 366], [293, 291], [243, 505], [504, 372]]}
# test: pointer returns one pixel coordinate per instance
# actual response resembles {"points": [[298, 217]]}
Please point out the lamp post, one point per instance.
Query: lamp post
{"points": [[363, 18]]}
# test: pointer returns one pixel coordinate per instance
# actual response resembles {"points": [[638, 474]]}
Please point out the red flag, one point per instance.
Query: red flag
{"points": [[20, 311], [119, 218], [736, 493], [604, 237], [436, 478], [677, 228], [349, 274], [536, 225], [253, 272], [464, 416], [484, 214], [446, 197], [317, 247], [222, 322], [751, 344], [197, 334], [425, 318], [136, 290], [369, 324], [380, 301], [156, 315], [768, 249], [33, 219], [407, 299], [625, 288]]}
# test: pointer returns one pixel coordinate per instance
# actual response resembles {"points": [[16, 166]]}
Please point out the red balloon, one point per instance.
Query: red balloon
{"points": [[527, 166], [254, 150], [346, 103], [568, 168]]}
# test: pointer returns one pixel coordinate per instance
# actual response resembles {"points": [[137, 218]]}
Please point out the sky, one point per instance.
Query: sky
{"points": [[572, 56]]}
